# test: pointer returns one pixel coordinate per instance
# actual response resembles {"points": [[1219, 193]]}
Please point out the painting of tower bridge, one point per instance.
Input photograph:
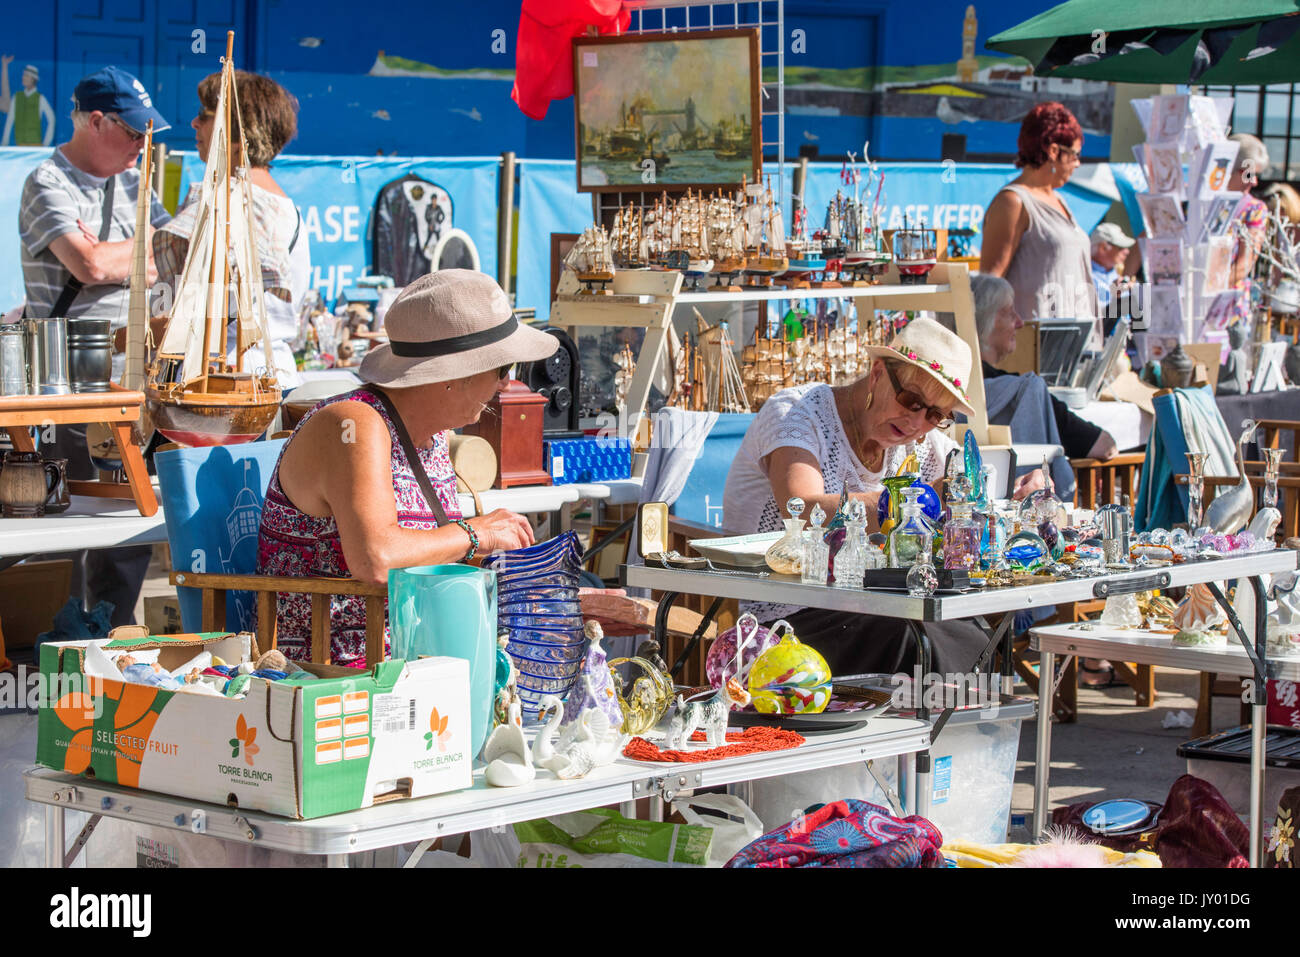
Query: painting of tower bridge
{"points": [[674, 111]]}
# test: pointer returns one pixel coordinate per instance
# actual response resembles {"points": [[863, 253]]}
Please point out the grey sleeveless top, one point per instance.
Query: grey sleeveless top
{"points": [[1051, 271]]}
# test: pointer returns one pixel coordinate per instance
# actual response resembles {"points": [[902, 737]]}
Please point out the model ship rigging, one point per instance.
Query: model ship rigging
{"points": [[194, 395]]}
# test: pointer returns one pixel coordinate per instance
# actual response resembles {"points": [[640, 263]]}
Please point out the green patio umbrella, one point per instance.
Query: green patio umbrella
{"points": [[1240, 42]]}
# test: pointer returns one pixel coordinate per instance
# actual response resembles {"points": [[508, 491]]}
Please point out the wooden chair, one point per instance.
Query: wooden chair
{"points": [[215, 587], [1097, 481]]}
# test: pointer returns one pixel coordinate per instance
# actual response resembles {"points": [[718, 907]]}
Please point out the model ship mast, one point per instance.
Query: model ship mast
{"points": [[196, 398]]}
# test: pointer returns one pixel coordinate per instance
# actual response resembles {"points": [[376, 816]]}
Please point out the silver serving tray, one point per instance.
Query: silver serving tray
{"points": [[739, 551]]}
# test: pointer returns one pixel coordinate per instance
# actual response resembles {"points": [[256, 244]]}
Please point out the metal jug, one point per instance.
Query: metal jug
{"points": [[13, 359], [47, 355]]}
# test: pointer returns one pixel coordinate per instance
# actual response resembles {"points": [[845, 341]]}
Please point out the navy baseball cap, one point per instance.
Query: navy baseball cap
{"points": [[111, 90]]}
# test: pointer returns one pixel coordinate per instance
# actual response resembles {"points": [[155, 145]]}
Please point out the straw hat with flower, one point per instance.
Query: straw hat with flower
{"points": [[939, 353]]}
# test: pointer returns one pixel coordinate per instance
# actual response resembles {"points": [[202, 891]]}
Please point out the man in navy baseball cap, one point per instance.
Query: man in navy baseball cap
{"points": [[114, 91]]}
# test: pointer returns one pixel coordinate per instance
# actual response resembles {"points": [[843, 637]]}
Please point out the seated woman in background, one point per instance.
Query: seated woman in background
{"points": [[996, 322], [816, 441], [270, 121]]}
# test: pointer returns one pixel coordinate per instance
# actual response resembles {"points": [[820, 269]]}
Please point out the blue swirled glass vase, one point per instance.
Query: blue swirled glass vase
{"points": [[537, 593]]}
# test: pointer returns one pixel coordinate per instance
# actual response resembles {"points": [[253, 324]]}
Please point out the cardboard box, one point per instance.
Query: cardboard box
{"points": [[346, 741]]}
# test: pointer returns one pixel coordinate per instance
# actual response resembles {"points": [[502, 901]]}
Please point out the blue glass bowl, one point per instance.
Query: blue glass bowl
{"points": [[544, 608], [545, 623], [558, 685], [556, 670], [524, 596], [512, 582]]}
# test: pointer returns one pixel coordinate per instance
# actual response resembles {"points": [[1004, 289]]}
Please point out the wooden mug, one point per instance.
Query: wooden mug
{"points": [[27, 481]]}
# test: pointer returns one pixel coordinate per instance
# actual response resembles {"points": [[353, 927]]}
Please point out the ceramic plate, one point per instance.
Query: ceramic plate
{"points": [[740, 551]]}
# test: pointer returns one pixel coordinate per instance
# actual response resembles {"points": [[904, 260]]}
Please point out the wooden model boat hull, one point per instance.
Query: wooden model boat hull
{"points": [[198, 420]]}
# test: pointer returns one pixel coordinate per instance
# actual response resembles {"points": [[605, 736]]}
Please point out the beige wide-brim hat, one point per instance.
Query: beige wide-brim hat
{"points": [[451, 324], [940, 354]]}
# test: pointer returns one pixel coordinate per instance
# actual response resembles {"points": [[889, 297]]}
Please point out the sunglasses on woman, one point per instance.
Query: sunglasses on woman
{"points": [[913, 402]]}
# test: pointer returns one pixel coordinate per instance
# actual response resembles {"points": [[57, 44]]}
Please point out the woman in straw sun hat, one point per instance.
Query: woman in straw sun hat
{"points": [[365, 483], [817, 441]]}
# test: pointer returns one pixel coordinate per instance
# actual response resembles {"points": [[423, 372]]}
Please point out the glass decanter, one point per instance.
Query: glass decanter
{"points": [[851, 562], [785, 557], [816, 553], [961, 538], [1195, 488], [1272, 463], [910, 540]]}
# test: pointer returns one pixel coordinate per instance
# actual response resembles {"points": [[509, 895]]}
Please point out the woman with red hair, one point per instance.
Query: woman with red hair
{"points": [[1030, 238]]}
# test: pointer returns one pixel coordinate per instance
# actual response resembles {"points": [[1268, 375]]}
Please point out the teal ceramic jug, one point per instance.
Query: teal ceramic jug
{"points": [[450, 611]]}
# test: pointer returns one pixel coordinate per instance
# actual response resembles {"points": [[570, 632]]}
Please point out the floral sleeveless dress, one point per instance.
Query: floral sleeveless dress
{"points": [[293, 543]]}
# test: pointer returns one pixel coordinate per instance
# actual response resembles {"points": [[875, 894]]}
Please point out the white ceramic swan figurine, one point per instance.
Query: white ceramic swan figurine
{"points": [[588, 742], [1230, 510], [509, 762]]}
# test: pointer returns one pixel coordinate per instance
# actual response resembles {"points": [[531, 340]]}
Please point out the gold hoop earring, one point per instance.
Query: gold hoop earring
{"points": [[867, 404]]}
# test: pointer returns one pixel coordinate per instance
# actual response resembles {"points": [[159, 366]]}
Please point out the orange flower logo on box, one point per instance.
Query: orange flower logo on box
{"points": [[129, 710], [244, 735], [437, 732]]}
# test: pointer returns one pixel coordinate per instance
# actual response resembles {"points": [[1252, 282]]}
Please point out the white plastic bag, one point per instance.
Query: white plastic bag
{"points": [[729, 836]]}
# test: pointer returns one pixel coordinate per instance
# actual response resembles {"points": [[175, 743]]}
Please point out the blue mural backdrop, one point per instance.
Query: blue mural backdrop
{"points": [[336, 197], [434, 79], [15, 164]]}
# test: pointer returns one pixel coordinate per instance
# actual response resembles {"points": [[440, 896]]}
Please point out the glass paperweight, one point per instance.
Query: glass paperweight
{"points": [[816, 553], [910, 540], [922, 580], [1027, 553], [961, 538], [785, 557]]}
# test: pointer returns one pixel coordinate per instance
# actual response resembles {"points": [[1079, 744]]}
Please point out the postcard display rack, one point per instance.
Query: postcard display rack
{"points": [[647, 299], [1189, 213]]}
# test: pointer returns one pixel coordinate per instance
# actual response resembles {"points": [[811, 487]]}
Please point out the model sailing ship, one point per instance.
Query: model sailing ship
{"points": [[864, 256], [831, 355], [194, 396], [591, 259]]}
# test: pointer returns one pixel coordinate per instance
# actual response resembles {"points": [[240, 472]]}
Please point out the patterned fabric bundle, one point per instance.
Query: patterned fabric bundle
{"points": [[846, 834]]}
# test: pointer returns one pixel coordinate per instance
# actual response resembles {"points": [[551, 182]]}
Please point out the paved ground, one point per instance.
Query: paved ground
{"points": [[1116, 749]]}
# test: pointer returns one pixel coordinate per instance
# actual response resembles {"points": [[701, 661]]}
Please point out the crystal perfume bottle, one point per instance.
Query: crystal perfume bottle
{"points": [[816, 553], [961, 538], [851, 562], [785, 557], [910, 540]]}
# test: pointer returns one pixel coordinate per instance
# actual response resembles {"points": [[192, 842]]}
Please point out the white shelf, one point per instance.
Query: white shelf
{"points": [[845, 292]]}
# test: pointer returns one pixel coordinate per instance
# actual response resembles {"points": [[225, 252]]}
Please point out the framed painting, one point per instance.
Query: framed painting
{"points": [[658, 111]]}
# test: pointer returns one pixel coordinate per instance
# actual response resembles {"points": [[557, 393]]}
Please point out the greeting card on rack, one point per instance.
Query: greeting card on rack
{"points": [[1213, 169], [1165, 312], [1222, 310], [1206, 121], [1168, 118], [1216, 254], [1142, 108], [1164, 168], [1210, 217], [1164, 260], [1163, 214]]}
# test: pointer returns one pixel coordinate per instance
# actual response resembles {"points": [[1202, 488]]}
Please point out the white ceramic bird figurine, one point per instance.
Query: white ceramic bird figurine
{"points": [[586, 743], [1230, 510], [509, 762]]}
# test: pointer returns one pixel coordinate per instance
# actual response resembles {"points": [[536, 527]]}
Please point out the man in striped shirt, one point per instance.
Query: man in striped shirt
{"points": [[76, 224], [62, 219]]}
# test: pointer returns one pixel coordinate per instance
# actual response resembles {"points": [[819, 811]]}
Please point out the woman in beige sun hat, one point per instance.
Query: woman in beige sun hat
{"points": [[816, 441], [365, 483]]}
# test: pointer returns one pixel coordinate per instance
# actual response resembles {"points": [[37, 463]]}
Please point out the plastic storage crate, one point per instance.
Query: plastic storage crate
{"points": [[589, 459], [1223, 759]]}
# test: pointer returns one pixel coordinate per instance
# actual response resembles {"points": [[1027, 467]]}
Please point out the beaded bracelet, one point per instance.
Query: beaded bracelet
{"points": [[473, 540]]}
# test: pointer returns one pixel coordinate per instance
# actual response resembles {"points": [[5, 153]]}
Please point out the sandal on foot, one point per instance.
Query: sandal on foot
{"points": [[1113, 681]]}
